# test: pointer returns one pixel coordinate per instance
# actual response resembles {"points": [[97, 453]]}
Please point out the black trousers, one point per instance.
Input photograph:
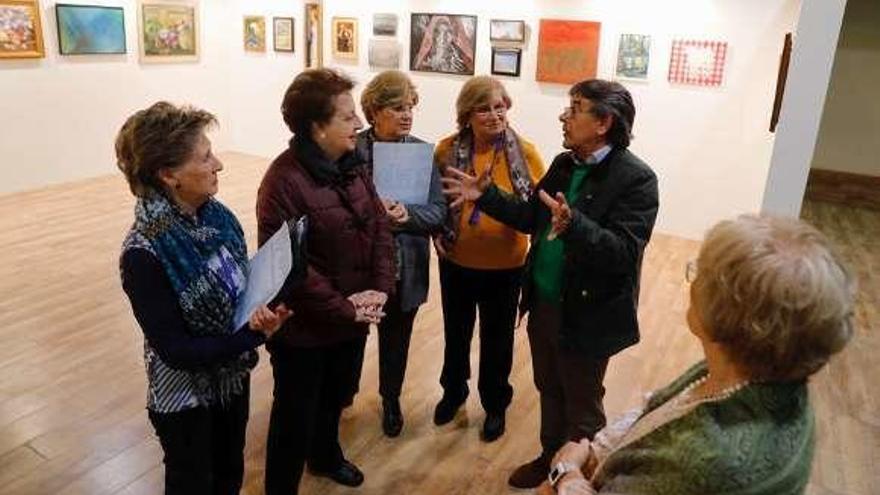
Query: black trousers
{"points": [[312, 385], [569, 383], [395, 331], [204, 447], [494, 293]]}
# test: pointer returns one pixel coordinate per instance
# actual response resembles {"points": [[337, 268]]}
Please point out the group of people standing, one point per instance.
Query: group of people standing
{"points": [[565, 246]]}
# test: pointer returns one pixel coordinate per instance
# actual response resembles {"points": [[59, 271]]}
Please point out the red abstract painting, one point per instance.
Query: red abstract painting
{"points": [[568, 51]]}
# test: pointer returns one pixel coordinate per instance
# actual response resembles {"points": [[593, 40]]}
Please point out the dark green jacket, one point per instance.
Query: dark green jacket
{"points": [[613, 217]]}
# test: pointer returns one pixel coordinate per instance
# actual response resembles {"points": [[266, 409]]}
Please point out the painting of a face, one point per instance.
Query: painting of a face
{"points": [[443, 43]]}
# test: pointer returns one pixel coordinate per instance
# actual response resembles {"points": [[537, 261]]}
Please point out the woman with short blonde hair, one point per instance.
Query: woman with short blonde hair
{"points": [[770, 303]]}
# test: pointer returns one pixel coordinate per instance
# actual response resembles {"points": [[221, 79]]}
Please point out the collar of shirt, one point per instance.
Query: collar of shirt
{"points": [[594, 158]]}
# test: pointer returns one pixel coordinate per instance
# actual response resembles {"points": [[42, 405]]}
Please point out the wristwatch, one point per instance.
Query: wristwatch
{"points": [[559, 471]]}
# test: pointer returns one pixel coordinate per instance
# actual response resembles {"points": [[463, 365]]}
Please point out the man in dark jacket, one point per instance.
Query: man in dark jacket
{"points": [[590, 222]]}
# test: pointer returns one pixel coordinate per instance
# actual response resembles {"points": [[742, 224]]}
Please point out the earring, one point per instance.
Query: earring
{"points": [[323, 135]]}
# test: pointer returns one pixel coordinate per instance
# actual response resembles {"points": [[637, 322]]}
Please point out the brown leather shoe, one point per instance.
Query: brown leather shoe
{"points": [[530, 474]]}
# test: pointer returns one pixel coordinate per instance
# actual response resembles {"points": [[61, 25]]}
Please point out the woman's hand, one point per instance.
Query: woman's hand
{"points": [[266, 321], [460, 187], [561, 213], [395, 211], [368, 306]]}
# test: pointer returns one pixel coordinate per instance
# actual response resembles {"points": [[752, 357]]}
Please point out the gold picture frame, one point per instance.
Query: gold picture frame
{"points": [[168, 31], [345, 37], [254, 33], [16, 42], [313, 35]]}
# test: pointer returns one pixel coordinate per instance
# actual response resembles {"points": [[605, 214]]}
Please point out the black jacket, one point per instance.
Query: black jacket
{"points": [[613, 217]]}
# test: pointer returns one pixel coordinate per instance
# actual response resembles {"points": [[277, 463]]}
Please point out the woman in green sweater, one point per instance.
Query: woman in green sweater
{"points": [[770, 303]]}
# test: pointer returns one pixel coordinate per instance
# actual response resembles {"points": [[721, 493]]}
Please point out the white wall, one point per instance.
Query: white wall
{"points": [[848, 136], [61, 114], [709, 146]]}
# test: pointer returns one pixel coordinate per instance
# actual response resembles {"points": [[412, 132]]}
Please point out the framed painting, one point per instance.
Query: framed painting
{"points": [[633, 57], [90, 29], [254, 34], [313, 35], [384, 54], [501, 30], [21, 33], [506, 61], [568, 51], [384, 24], [345, 37], [697, 62], [282, 34], [169, 31], [444, 43]]}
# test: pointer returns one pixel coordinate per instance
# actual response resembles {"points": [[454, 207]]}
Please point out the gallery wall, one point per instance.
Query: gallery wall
{"points": [[709, 146], [848, 137]]}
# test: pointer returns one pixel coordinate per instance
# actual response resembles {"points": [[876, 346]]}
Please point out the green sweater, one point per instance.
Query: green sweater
{"points": [[759, 441]]}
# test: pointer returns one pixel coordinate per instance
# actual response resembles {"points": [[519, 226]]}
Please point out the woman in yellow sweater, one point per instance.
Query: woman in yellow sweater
{"points": [[481, 259]]}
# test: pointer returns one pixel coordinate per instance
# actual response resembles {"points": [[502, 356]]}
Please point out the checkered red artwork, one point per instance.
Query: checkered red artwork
{"points": [[699, 63]]}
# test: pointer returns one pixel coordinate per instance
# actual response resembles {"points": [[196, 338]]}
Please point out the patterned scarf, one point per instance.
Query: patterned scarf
{"points": [[205, 259], [462, 158]]}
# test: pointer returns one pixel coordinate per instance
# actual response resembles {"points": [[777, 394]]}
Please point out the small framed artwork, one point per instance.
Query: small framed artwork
{"points": [[314, 33], [633, 57], [282, 34], [254, 33], [568, 51], [501, 30], [345, 37], [384, 54], [444, 43], [169, 31], [506, 61], [697, 63], [21, 33], [90, 29], [384, 24]]}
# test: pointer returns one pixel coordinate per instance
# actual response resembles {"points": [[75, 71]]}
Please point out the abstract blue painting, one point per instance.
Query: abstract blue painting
{"points": [[90, 29]]}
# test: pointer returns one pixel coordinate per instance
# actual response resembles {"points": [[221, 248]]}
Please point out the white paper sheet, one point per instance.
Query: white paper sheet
{"points": [[402, 171], [267, 271]]}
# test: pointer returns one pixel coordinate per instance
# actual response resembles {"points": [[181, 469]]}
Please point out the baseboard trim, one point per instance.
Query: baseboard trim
{"points": [[844, 187]]}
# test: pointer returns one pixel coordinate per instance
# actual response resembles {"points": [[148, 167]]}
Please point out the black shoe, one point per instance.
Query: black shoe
{"points": [[530, 474], [346, 474], [446, 409], [392, 418], [493, 427]]}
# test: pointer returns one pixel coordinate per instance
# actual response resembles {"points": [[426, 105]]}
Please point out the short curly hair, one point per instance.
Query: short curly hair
{"points": [[309, 98], [774, 294], [155, 138], [388, 89], [475, 92]]}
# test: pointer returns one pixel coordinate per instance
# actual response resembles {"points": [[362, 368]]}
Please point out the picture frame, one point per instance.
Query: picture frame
{"points": [[21, 30], [254, 33], [507, 31], [444, 43], [568, 51], [168, 31], [506, 61], [384, 53], [345, 37], [90, 29], [384, 24], [283, 34], [697, 62], [633, 57], [313, 35]]}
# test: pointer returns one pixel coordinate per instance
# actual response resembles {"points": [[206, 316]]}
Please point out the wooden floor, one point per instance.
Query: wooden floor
{"points": [[72, 385]]}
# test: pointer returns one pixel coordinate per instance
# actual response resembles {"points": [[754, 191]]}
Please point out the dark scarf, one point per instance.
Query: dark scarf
{"points": [[462, 158], [205, 259]]}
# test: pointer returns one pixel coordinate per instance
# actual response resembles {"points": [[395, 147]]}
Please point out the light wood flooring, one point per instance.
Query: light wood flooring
{"points": [[72, 385]]}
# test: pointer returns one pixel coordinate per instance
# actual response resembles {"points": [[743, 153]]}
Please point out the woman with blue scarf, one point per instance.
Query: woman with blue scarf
{"points": [[183, 267]]}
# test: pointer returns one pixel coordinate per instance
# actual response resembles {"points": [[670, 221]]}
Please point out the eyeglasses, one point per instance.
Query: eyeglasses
{"points": [[486, 110], [690, 271]]}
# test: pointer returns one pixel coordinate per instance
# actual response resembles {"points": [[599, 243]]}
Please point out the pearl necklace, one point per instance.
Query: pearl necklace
{"points": [[686, 398]]}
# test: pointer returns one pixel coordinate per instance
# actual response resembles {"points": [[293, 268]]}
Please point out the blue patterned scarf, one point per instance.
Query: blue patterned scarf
{"points": [[205, 259]]}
